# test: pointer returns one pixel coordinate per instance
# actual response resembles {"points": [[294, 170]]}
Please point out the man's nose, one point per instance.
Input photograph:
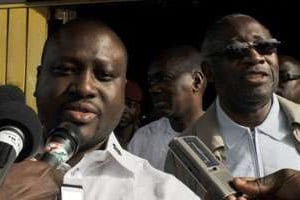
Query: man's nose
{"points": [[86, 84], [254, 57], [155, 88]]}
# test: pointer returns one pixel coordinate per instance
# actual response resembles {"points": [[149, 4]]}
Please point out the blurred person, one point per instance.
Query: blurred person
{"points": [[177, 85], [289, 78], [131, 117]]}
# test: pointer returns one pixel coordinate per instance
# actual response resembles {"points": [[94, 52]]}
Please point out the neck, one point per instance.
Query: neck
{"points": [[78, 156], [124, 134], [251, 118], [179, 123]]}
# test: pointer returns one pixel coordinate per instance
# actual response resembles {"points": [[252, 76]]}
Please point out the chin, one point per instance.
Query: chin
{"points": [[251, 103]]}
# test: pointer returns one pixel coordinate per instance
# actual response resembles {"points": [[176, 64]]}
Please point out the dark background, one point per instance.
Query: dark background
{"points": [[148, 26]]}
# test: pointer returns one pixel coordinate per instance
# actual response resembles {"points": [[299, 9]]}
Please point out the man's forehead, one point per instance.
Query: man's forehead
{"points": [[85, 32], [174, 63], [86, 37], [77, 47], [244, 31], [166, 69], [97, 44]]}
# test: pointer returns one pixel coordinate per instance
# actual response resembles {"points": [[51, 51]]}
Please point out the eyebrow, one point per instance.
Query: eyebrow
{"points": [[69, 59], [105, 65], [101, 62], [258, 37]]}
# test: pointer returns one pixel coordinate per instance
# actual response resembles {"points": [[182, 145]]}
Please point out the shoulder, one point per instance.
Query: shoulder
{"points": [[285, 102], [291, 109], [164, 186], [154, 127], [147, 136], [204, 123]]}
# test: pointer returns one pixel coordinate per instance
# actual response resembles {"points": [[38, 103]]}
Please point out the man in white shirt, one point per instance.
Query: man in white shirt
{"points": [[177, 86], [82, 80], [249, 128]]}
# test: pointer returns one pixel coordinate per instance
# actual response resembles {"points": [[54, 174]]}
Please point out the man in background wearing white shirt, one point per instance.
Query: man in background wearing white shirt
{"points": [[177, 85]]}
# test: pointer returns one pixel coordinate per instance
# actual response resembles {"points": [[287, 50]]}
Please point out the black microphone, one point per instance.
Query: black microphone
{"points": [[20, 128], [63, 142]]}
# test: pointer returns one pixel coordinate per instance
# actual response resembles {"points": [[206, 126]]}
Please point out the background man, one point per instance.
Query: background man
{"points": [[131, 117], [82, 80], [289, 78], [177, 86]]}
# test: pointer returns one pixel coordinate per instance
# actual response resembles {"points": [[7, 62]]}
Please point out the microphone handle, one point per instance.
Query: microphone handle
{"points": [[58, 151], [50, 159], [7, 158]]}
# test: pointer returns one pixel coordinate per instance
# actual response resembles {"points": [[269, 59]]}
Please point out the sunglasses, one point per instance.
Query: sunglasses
{"points": [[238, 50], [285, 77]]}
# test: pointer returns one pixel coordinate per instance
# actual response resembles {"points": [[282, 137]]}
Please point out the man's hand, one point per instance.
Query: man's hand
{"points": [[31, 180], [281, 185]]}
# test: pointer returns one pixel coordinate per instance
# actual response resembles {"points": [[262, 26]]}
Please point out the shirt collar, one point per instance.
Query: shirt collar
{"points": [[276, 123], [120, 155], [169, 128], [113, 150], [273, 126], [232, 132]]}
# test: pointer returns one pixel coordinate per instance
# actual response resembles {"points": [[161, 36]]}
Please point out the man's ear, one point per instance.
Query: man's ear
{"points": [[199, 81], [208, 71], [39, 69]]}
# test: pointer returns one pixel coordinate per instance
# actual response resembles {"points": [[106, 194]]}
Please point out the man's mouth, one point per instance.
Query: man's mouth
{"points": [[161, 104], [79, 113], [255, 77]]}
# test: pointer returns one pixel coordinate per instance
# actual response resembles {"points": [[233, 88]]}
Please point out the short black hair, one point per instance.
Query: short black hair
{"points": [[80, 22], [191, 58]]}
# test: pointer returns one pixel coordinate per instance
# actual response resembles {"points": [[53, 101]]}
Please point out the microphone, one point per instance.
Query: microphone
{"points": [[211, 175], [63, 142], [20, 128]]}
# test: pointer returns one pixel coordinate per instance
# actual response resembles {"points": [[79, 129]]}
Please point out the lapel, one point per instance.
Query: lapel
{"points": [[292, 112], [207, 129]]}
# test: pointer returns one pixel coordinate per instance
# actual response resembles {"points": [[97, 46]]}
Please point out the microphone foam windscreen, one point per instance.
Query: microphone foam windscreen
{"points": [[11, 93], [14, 112]]}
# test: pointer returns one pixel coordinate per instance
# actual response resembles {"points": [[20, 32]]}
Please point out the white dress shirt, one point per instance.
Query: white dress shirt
{"points": [[115, 174], [151, 142], [262, 150]]}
